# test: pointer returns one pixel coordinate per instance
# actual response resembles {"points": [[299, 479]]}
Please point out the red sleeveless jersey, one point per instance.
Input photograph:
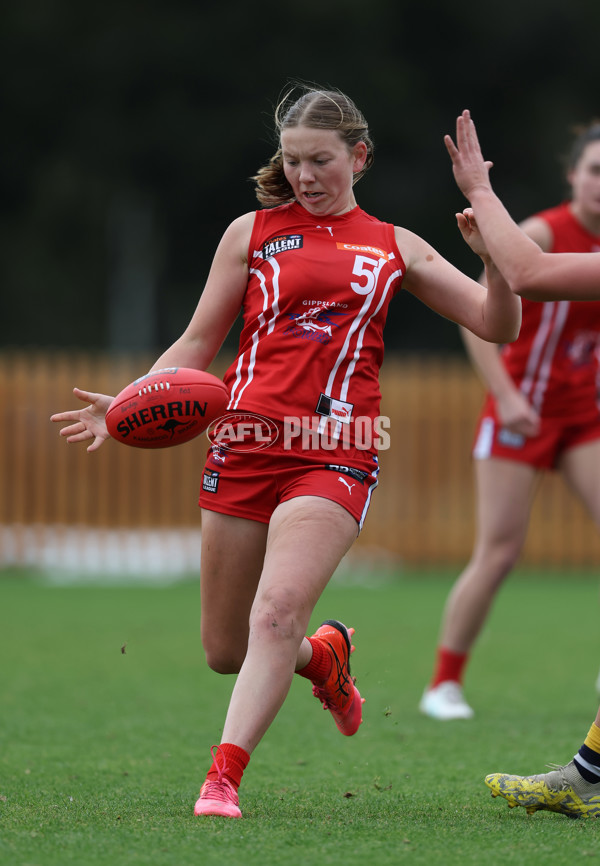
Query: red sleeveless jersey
{"points": [[554, 361], [314, 311]]}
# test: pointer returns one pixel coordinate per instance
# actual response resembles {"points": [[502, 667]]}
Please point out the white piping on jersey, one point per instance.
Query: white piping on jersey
{"points": [[236, 397], [544, 376], [536, 348], [234, 401], [359, 341], [539, 363], [354, 327], [372, 487]]}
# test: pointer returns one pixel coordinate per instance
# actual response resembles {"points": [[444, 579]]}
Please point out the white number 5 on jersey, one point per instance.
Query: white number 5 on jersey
{"points": [[368, 269]]}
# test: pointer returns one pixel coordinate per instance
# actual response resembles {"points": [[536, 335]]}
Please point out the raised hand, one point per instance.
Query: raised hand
{"points": [[468, 165], [86, 423]]}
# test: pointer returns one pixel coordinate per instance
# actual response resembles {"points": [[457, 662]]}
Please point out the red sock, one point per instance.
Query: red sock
{"points": [[449, 666], [319, 667], [231, 761]]}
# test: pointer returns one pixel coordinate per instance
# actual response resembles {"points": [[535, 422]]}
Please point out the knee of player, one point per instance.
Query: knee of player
{"points": [[497, 560], [277, 618], [222, 658]]}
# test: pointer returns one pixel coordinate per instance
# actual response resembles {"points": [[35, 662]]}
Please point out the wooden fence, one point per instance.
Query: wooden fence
{"points": [[422, 512]]}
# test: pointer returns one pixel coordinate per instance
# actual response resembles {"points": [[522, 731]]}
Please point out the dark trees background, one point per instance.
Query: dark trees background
{"points": [[130, 130]]}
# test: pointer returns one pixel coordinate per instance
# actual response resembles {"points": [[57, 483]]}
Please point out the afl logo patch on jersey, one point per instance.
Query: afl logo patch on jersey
{"points": [[281, 244]]}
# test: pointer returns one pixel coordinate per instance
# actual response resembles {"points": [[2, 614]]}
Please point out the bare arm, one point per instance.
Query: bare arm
{"points": [[514, 410], [493, 313], [529, 271]]}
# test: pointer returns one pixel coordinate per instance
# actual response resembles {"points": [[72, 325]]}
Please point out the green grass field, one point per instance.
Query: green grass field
{"points": [[103, 752]]}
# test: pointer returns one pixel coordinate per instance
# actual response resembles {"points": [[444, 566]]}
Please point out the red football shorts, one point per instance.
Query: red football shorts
{"points": [[251, 484], [557, 435]]}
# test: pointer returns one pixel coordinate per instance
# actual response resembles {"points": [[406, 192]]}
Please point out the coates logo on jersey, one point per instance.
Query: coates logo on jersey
{"points": [[244, 431], [364, 248], [281, 244]]}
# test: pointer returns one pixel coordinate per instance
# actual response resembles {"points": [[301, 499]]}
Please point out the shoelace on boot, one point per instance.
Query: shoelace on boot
{"points": [[219, 788]]}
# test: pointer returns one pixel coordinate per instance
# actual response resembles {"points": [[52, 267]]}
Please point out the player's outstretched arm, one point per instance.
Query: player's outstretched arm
{"points": [[88, 423], [513, 252], [530, 272]]}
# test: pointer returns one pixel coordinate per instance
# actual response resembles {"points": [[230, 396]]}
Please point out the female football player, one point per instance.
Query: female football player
{"points": [[314, 275]]}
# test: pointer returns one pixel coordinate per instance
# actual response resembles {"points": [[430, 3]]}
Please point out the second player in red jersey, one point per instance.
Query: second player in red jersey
{"points": [[542, 412]]}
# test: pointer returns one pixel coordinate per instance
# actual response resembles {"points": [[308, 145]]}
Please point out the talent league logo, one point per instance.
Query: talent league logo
{"points": [[281, 244], [210, 481]]}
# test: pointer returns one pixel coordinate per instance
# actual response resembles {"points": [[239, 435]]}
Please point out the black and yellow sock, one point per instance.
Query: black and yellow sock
{"points": [[587, 759]]}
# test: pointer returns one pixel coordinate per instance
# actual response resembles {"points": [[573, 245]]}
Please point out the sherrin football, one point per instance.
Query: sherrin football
{"points": [[166, 407]]}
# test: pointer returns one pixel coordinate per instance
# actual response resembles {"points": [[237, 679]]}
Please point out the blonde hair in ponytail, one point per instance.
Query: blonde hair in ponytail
{"points": [[317, 109]]}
